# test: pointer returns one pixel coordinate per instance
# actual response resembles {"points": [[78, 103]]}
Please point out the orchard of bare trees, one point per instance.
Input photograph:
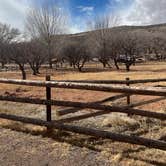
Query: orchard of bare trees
{"points": [[47, 42]]}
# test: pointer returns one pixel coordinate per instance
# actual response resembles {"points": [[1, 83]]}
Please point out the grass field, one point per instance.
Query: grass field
{"points": [[103, 152]]}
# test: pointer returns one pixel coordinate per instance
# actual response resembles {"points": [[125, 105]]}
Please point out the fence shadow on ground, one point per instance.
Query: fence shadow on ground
{"points": [[127, 155], [88, 142]]}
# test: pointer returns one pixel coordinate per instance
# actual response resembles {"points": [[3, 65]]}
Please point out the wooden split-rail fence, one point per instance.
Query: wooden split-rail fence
{"points": [[96, 85]]}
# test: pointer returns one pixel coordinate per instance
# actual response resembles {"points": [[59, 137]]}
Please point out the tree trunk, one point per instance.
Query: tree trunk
{"points": [[50, 64], [157, 55], [23, 72], [23, 75], [37, 70], [80, 69], [116, 64], [104, 64], [71, 64], [34, 72], [108, 65], [61, 63], [50, 55], [3, 65], [127, 67], [21, 67]]}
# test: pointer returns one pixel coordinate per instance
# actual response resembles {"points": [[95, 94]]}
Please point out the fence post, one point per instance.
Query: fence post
{"points": [[128, 96], [48, 98]]}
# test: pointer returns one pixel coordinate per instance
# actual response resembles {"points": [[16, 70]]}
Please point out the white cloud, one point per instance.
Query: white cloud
{"points": [[75, 29], [87, 9], [13, 12], [145, 12], [136, 12], [77, 25]]}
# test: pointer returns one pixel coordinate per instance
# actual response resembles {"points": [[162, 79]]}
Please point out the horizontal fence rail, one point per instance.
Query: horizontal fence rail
{"points": [[92, 132], [94, 87], [106, 108], [116, 81]]}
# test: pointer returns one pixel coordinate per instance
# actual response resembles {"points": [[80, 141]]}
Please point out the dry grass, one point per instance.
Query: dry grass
{"points": [[107, 151], [140, 71]]}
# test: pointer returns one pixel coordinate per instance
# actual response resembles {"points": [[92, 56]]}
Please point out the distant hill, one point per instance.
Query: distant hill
{"points": [[149, 28]]}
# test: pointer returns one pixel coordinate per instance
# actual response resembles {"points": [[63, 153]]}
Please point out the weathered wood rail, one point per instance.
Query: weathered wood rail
{"points": [[155, 91], [105, 108], [102, 109], [92, 132], [74, 109], [116, 81]]}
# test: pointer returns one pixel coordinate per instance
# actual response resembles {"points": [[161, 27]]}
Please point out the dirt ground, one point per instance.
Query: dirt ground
{"points": [[22, 144]]}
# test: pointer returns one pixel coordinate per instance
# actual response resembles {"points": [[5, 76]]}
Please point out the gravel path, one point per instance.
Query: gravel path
{"points": [[20, 149]]}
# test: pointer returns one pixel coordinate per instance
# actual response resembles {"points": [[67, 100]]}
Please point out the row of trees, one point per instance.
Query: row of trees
{"points": [[38, 45], [45, 42], [111, 46]]}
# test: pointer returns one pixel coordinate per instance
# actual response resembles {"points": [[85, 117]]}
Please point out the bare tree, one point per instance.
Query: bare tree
{"points": [[151, 44], [158, 45], [45, 23], [76, 54], [101, 36], [82, 57], [129, 46], [7, 34], [36, 55], [18, 54], [58, 45], [114, 47]]}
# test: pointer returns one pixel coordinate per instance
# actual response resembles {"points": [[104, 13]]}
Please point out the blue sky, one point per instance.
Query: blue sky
{"points": [[131, 12], [81, 11]]}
